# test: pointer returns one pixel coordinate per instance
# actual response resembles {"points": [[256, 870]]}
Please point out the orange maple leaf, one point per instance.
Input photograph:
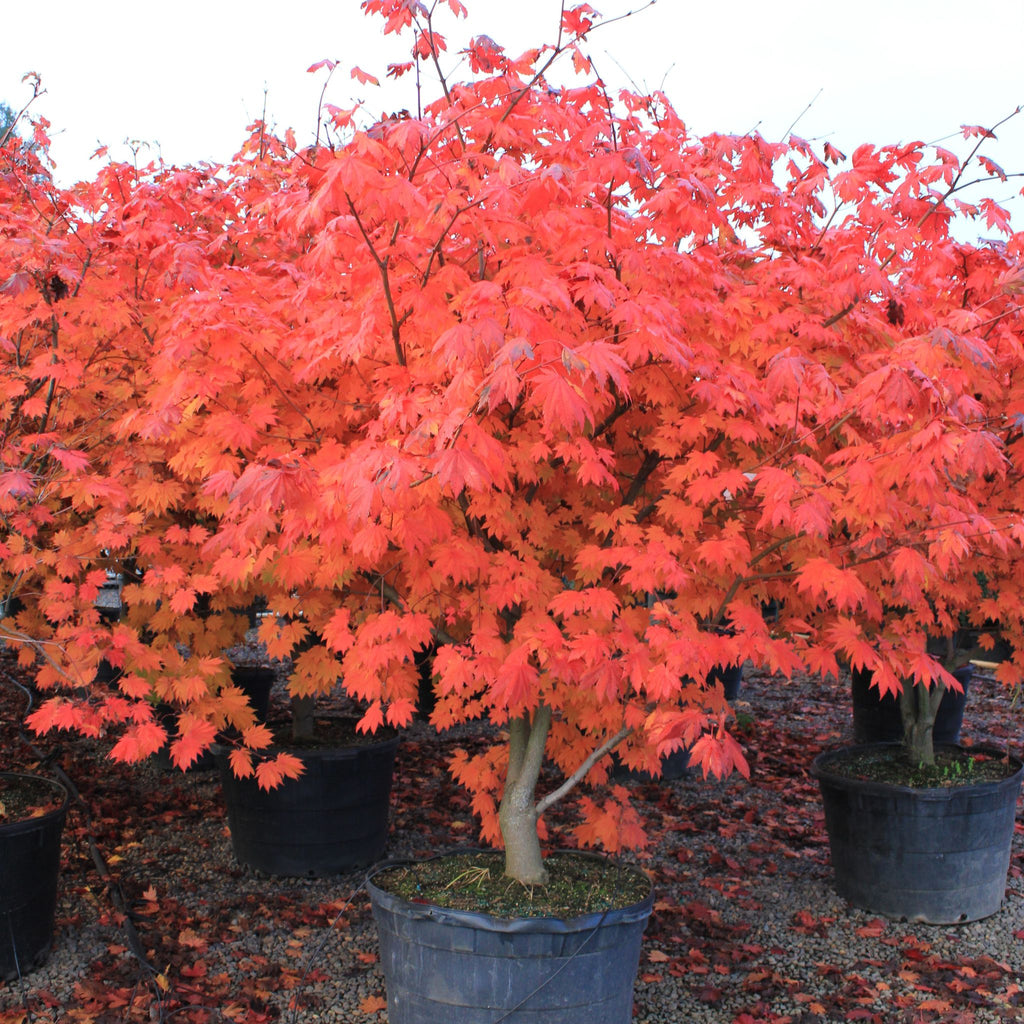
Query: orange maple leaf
{"points": [[273, 772], [373, 1004]]}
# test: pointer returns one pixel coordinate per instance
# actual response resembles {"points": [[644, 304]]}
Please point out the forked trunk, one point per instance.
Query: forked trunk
{"points": [[517, 814]]}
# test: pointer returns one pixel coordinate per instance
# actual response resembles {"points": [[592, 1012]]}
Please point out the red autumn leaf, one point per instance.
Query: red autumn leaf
{"points": [[194, 736], [991, 167], [73, 461], [578, 20], [183, 600], [937, 1005], [373, 718], [872, 930], [976, 131], [364, 77]]}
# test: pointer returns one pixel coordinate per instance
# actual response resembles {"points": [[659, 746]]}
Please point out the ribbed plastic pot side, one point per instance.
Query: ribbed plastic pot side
{"points": [[463, 967], [938, 854], [29, 871]]}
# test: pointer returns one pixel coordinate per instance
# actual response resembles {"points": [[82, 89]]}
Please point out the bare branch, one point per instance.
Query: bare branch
{"points": [[557, 794]]}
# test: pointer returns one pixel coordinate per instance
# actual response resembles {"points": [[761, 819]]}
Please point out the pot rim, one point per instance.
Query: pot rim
{"points": [[28, 824], [325, 753], [482, 921], [820, 770]]}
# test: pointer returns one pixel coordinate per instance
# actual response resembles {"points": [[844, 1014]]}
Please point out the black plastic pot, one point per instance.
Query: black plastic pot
{"points": [[256, 682], [876, 719], [29, 866], [459, 967], [731, 678], [938, 855], [331, 819]]}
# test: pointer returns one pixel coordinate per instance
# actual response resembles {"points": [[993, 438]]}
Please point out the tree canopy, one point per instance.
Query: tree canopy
{"points": [[538, 382]]}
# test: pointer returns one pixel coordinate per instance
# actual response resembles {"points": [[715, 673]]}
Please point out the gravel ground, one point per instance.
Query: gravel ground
{"points": [[746, 926]]}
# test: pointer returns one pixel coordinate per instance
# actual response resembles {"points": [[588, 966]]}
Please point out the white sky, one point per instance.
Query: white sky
{"points": [[189, 76]]}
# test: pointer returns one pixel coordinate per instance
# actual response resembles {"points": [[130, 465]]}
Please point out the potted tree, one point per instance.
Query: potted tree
{"points": [[96, 444], [334, 816], [920, 829], [537, 422], [56, 363]]}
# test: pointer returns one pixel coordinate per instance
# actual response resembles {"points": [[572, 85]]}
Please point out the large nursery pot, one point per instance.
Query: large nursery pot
{"points": [[938, 854], [876, 718], [29, 866], [331, 819], [464, 967]]}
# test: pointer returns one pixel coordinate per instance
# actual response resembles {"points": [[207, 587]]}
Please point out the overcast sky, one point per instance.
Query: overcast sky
{"points": [[188, 77]]}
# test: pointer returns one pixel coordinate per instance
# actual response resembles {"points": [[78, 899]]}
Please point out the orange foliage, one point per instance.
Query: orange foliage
{"points": [[538, 379]]}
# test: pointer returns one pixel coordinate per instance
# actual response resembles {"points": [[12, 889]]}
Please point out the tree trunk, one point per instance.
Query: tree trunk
{"points": [[302, 717], [517, 814], [918, 707], [304, 707]]}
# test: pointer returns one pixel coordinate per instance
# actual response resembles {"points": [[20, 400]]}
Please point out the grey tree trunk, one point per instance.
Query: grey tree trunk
{"points": [[918, 708], [517, 813], [302, 717]]}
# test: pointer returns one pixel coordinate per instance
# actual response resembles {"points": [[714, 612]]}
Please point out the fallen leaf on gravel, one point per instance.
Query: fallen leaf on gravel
{"points": [[941, 1005], [872, 930], [373, 1004], [192, 939]]}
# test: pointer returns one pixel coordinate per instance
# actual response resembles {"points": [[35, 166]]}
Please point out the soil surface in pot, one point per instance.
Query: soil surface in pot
{"points": [[329, 733], [476, 882], [22, 798], [953, 767]]}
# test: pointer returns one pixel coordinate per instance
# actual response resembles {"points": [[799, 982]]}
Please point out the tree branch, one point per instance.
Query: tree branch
{"points": [[382, 266], [555, 795]]}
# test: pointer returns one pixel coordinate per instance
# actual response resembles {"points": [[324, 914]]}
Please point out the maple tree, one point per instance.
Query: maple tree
{"points": [[533, 380]]}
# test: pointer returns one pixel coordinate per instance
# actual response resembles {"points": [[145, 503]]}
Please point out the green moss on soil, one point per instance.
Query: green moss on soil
{"points": [[953, 767], [476, 882]]}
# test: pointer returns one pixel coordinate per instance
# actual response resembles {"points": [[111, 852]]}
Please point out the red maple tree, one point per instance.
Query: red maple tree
{"points": [[534, 380]]}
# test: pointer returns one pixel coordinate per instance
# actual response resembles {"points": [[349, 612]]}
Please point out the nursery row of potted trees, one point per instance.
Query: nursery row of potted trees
{"points": [[535, 380]]}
